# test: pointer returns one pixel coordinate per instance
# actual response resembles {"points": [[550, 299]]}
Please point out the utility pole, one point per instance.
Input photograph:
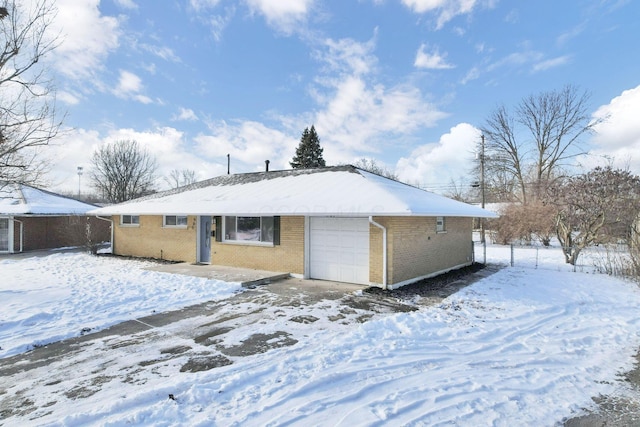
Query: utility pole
{"points": [[482, 237], [80, 168]]}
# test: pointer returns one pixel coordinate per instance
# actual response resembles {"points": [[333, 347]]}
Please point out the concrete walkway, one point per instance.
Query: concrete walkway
{"points": [[245, 276]]}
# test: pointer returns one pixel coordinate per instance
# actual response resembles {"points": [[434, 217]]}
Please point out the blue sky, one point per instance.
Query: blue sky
{"points": [[404, 82]]}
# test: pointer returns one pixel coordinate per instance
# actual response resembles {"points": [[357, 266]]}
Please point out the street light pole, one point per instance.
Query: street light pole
{"points": [[80, 168]]}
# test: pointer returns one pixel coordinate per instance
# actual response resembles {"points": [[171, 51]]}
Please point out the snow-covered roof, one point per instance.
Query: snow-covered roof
{"points": [[22, 199], [335, 191]]}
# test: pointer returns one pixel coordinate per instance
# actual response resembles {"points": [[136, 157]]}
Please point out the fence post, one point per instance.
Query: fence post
{"points": [[512, 255], [537, 250], [473, 252], [484, 251]]}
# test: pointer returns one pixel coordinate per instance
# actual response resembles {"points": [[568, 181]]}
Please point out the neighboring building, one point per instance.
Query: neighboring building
{"points": [[339, 223], [31, 218]]}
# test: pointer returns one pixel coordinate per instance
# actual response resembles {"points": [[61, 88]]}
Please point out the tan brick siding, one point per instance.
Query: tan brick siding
{"points": [[415, 249], [287, 257], [376, 252], [151, 240]]}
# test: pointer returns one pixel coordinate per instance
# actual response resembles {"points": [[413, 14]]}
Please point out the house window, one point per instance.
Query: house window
{"points": [[249, 229], [440, 228], [130, 220], [175, 221]]}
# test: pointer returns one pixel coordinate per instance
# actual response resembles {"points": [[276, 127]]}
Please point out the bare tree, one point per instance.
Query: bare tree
{"points": [[462, 191], [28, 118], [372, 166], [531, 144], [180, 177], [123, 171], [597, 207]]}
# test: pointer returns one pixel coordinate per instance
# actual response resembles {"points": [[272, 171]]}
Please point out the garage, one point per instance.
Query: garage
{"points": [[339, 249]]}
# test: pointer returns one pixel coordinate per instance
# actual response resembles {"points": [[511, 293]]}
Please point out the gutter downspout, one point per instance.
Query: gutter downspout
{"points": [[112, 226], [384, 251]]}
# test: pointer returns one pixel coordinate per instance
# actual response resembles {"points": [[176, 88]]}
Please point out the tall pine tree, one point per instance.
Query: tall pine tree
{"points": [[309, 152]]}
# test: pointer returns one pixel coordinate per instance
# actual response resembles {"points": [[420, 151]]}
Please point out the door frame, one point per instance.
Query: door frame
{"points": [[10, 237], [204, 239]]}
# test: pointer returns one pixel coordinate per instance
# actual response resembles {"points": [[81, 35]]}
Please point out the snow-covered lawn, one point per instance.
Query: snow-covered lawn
{"points": [[46, 299], [521, 347]]}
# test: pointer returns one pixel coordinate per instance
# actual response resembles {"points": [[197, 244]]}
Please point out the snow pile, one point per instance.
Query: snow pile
{"points": [[46, 299]]}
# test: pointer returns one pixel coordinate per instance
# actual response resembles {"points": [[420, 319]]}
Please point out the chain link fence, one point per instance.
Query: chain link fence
{"points": [[604, 259]]}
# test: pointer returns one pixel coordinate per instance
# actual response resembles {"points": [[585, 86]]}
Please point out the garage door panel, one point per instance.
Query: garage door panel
{"points": [[339, 249]]}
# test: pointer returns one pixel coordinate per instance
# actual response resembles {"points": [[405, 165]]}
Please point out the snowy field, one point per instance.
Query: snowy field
{"points": [[523, 346]]}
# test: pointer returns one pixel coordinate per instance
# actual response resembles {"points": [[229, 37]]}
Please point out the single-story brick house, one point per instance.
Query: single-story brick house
{"points": [[337, 223], [32, 218]]}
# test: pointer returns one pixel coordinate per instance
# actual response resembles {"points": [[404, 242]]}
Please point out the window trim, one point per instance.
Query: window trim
{"points": [[130, 224], [223, 221], [441, 228], [176, 225]]}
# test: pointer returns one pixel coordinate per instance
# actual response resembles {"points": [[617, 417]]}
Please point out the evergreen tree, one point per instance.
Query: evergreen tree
{"points": [[309, 152]]}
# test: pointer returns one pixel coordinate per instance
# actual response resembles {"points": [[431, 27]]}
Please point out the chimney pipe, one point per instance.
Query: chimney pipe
{"points": [[266, 165]]}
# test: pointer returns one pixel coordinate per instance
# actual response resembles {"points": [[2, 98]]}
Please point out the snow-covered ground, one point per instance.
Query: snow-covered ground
{"points": [[523, 346], [46, 299]]}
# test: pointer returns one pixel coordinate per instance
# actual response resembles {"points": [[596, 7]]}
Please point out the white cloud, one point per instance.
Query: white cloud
{"points": [[284, 15], [128, 83], [360, 117], [445, 9], [347, 56], [217, 23], [472, 74], [199, 5], [163, 52], [248, 142], [67, 97], [126, 4], [618, 136], [87, 38], [185, 114], [71, 149], [356, 114], [438, 163], [129, 87], [431, 61], [524, 57], [551, 63], [170, 148]]}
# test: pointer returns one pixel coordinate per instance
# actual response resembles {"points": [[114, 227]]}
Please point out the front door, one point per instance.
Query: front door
{"points": [[204, 250], [4, 234]]}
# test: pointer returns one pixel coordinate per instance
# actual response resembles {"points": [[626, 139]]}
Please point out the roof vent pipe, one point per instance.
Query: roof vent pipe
{"points": [[266, 165]]}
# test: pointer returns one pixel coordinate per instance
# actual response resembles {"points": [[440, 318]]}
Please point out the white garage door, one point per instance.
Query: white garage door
{"points": [[339, 249]]}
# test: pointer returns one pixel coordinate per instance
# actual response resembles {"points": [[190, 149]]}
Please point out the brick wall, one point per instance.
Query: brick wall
{"points": [[376, 251], [151, 240], [415, 249], [48, 232], [287, 257]]}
